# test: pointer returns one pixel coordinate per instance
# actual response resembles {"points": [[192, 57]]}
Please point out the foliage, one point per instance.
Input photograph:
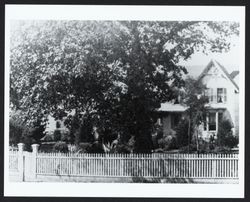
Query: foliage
{"points": [[195, 99], [38, 130], [84, 147], [85, 67], [182, 132], [15, 131], [47, 147], [60, 147], [20, 132], [123, 148], [65, 135], [168, 142], [57, 135], [86, 131], [96, 147], [225, 135]]}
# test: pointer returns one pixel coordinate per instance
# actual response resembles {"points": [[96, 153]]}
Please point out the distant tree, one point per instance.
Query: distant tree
{"points": [[225, 137], [38, 130], [15, 131], [183, 130], [116, 72], [195, 99]]}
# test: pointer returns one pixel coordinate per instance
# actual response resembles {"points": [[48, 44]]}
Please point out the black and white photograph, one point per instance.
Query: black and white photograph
{"points": [[104, 99]]}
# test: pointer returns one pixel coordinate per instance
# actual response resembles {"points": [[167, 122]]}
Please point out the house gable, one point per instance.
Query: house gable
{"points": [[215, 69]]}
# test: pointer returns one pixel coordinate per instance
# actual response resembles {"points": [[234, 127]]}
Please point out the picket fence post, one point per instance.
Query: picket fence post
{"points": [[20, 161], [33, 163]]}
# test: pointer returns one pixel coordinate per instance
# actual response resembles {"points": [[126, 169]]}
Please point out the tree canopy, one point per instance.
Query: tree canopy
{"points": [[116, 73]]}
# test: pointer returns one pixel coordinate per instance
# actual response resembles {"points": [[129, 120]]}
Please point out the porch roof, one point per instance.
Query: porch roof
{"points": [[171, 107]]}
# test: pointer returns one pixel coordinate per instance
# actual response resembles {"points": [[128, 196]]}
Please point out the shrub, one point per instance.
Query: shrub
{"points": [[189, 148], [61, 147], [231, 141], [168, 142], [143, 143], [28, 141], [84, 147], [15, 132], [182, 133], [123, 149], [38, 130], [57, 135], [65, 136], [47, 147], [225, 137], [96, 147]]}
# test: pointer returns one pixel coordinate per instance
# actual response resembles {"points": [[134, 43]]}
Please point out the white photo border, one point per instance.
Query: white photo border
{"points": [[162, 13]]}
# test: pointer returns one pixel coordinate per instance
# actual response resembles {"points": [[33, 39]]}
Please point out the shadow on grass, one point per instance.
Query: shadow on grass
{"points": [[164, 170]]}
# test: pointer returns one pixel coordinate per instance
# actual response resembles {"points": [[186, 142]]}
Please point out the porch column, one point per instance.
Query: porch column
{"points": [[207, 123], [217, 122], [33, 163], [20, 161]]}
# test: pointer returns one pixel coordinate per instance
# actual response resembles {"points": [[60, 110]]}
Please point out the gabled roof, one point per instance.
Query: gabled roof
{"points": [[218, 65], [234, 74], [171, 107]]}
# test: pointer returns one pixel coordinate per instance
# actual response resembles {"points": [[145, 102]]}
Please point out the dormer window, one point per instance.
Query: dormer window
{"points": [[218, 95], [221, 95], [209, 94]]}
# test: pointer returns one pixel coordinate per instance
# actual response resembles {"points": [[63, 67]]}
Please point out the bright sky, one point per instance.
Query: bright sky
{"points": [[229, 60]]}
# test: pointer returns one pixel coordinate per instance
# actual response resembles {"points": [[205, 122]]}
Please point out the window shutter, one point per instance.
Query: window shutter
{"points": [[211, 94], [225, 94]]}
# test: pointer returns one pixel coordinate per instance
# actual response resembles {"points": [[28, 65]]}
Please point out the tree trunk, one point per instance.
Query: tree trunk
{"points": [[189, 125]]}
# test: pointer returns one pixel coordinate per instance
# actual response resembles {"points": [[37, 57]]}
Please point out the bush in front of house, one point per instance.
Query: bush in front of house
{"points": [[65, 136], [57, 135], [168, 142], [60, 147], [225, 137], [15, 132], [21, 133], [96, 147], [83, 147], [182, 133], [143, 144]]}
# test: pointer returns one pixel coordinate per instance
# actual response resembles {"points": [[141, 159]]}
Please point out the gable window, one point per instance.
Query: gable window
{"points": [[209, 94], [212, 121], [221, 95]]}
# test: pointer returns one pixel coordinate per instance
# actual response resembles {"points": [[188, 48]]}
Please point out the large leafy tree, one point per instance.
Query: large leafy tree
{"points": [[114, 72]]}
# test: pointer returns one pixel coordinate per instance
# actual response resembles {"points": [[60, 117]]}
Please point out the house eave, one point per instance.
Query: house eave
{"points": [[170, 107]]}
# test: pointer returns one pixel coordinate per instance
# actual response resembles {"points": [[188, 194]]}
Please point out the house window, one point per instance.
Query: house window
{"points": [[212, 122], [209, 94], [221, 95]]}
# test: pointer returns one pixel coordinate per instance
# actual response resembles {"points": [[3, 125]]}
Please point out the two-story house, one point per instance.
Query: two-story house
{"points": [[223, 93]]}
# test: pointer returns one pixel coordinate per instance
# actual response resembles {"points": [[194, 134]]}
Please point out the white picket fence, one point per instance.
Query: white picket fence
{"points": [[13, 161], [186, 166], [139, 165]]}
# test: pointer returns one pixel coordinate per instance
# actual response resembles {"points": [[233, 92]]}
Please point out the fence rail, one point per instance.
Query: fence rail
{"points": [[138, 165], [30, 165]]}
